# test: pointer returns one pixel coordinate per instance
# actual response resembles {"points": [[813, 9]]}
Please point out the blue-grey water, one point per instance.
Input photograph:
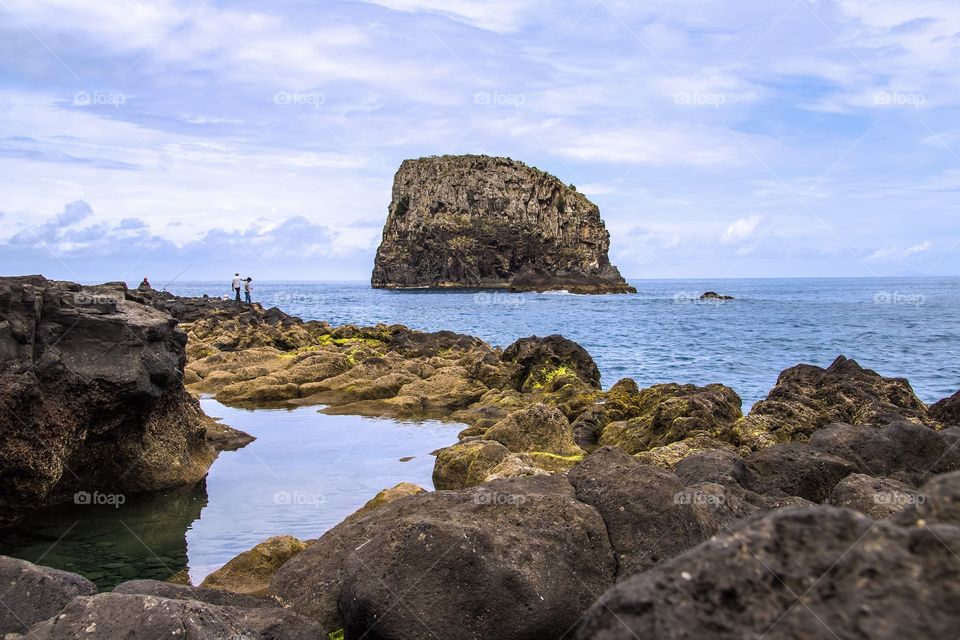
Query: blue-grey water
{"points": [[899, 326], [307, 470]]}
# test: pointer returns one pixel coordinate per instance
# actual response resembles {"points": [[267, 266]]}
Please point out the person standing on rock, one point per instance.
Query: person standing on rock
{"points": [[236, 286], [248, 288]]}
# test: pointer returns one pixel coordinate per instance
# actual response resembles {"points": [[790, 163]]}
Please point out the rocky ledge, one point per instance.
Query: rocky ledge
{"points": [[92, 397], [482, 222]]}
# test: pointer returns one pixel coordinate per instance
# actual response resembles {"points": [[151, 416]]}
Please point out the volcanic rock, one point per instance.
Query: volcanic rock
{"points": [[482, 222], [91, 397]]}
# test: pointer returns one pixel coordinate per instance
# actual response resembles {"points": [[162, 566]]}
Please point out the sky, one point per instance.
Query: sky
{"points": [[720, 138]]}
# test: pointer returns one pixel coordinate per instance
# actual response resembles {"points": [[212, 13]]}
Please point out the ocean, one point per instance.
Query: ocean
{"points": [[907, 327]]}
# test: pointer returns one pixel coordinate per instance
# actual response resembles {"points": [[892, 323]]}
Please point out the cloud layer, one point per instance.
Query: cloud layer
{"points": [[803, 137]]}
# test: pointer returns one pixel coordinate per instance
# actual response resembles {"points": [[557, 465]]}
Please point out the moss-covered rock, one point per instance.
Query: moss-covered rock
{"points": [[538, 428], [251, 571], [670, 455], [540, 362], [668, 413], [387, 496], [467, 464]]}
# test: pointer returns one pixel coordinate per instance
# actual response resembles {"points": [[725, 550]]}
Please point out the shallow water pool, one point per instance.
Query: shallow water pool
{"points": [[305, 472]]}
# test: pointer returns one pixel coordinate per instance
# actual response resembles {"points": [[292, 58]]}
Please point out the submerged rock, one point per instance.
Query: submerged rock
{"points": [[713, 295], [477, 221]]}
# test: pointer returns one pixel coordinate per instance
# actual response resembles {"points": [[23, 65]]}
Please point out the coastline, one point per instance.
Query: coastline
{"points": [[543, 439]]}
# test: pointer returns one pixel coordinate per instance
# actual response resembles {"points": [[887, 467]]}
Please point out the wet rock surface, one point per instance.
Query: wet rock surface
{"points": [[479, 221]]}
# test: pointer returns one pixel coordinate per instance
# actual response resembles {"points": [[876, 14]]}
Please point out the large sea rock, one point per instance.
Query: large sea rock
{"points": [[476, 221], [92, 397]]}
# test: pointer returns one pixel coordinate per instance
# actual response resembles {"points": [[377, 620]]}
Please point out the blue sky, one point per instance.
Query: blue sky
{"points": [[720, 138]]}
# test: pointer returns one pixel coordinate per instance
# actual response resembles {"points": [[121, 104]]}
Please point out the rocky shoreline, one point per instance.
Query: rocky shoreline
{"points": [[562, 511]]}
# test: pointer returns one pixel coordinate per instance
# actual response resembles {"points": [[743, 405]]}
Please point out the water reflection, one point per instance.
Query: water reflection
{"points": [[145, 537]]}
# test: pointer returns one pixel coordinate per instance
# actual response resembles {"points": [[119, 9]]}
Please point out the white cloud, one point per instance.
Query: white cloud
{"points": [[742, 229], [500, 16], [895, 253]]}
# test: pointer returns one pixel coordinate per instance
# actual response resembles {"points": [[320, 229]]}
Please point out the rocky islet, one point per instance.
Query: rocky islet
{"points": [[485, 222]]}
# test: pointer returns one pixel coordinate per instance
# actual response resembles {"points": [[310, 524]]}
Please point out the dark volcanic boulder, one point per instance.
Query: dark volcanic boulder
{"points": [[477, 221], [513, 559], [540, 361], [807, 398], [30, 593], [92, 397], [797, 469], [905, 451], [109, 616], [947, 411], [650, 514], [874, 497], [814, 572]]}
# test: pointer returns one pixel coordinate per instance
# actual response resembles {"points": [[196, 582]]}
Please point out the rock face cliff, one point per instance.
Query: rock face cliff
{"points": [[479, 222], [91, 397]]}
